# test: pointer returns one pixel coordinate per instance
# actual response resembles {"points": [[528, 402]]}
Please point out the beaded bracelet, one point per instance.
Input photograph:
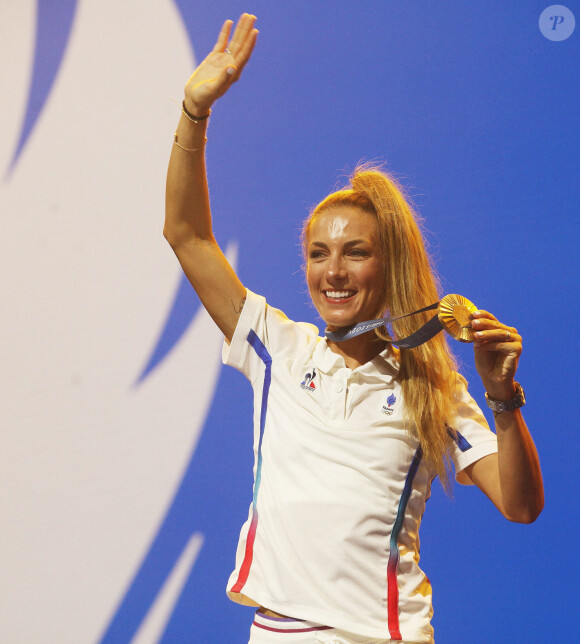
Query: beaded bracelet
{"points": [[191, 117]]}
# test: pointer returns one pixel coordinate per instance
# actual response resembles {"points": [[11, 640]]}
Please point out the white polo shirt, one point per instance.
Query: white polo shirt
{"points": [[339, 483]]}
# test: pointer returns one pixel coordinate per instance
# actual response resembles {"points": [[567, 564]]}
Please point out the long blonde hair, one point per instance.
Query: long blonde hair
{"points": [[427, 372]]}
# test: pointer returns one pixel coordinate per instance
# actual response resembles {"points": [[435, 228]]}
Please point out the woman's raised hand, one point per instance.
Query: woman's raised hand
{"points": [[497, 351], [222, 66]]}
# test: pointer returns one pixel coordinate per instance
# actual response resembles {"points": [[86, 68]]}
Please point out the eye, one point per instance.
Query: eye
{"points": [[316, 254], [358, 252]]}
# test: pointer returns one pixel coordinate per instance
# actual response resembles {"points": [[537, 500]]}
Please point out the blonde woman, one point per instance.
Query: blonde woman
{"points": [[349, 432]]}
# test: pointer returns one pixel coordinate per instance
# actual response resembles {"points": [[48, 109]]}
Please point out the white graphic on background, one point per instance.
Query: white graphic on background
{"points": [[153, 626], [88, 462]]}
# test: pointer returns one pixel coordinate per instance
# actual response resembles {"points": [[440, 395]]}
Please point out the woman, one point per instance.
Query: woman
{"points": [[348, 433]]}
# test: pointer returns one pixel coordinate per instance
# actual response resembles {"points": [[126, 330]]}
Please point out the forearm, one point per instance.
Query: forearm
{"points": [[187, 208], [187, 212], [188, 216], [520, 477]]}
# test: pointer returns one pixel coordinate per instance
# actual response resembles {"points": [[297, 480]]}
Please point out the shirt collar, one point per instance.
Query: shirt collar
{"points": [[385, 365]]}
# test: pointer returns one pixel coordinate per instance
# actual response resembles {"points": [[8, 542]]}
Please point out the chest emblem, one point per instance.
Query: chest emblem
{"points": [[389, 405], [308, 382]]}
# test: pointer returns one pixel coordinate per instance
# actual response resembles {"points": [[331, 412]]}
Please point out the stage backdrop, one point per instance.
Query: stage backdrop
{"points": [[126, 449]]}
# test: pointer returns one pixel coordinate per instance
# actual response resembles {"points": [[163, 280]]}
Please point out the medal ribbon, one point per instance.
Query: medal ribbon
{"points": [[426, 332]]}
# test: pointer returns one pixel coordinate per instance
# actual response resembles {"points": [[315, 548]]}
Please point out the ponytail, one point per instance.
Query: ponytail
{"points": [[427, 372]]}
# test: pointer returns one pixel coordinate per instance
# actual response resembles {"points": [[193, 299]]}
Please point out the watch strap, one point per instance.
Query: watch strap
{"points": [[515, 402]]}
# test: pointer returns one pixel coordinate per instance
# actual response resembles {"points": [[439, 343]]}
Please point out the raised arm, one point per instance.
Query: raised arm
{"points": [[512, 478], [188, 227]]}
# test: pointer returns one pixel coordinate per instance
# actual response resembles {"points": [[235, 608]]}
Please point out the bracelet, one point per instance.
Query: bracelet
{"points": [[178, 144], [191, 117]]}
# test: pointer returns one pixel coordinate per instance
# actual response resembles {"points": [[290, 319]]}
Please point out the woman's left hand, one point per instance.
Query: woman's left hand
{"points": [[497, 349]]}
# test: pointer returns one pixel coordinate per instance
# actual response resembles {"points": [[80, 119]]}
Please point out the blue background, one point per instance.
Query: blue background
{"points": [[476, 112]]}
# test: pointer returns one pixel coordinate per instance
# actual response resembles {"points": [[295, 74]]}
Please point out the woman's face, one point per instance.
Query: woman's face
{"points": [[344, 268]]}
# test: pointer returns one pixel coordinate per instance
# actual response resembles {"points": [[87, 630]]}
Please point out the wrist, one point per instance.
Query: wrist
{"points": [[193, 111], [500, 405], [501, 391], [190, 135]]}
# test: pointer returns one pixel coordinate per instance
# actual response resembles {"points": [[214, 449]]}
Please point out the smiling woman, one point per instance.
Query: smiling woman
{"points": [[348, 435], [366, 256]]}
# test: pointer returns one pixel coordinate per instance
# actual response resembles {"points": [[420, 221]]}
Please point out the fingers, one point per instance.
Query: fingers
{"points": [[483, 314], [239, 48], [242, 44], [243, 39], [222, 40], [242, 33], [499, 341], [491, 334], [488, 328], [245, 53]]}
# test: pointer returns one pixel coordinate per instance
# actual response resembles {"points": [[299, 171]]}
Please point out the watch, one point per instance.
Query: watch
{"points": [[516, 401]]}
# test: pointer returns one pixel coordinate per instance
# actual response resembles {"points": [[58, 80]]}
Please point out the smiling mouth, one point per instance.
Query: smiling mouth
{"points": [[337, 296]]}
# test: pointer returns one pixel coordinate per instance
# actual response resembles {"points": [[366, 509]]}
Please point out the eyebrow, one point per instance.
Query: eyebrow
{"points": [[352, 242]]}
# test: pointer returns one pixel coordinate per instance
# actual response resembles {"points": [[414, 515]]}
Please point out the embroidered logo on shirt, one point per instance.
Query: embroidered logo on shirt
{"points": [[308, 382], [389, 407]]}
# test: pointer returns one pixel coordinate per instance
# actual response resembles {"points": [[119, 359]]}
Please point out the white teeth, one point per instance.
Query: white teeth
{"points": [[337, 295]]}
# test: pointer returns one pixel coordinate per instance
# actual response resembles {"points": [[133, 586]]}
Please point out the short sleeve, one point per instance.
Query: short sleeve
{"points": [[269, 328], [473, 437], [236, 353]]}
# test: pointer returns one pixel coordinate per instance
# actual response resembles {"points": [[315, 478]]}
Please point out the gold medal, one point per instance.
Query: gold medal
{"points": [[455, 313]]}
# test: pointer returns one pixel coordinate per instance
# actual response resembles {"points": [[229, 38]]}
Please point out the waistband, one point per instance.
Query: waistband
{"points": [[286, 624]]}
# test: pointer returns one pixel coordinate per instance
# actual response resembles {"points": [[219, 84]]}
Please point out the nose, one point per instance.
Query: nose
{"points": [[335, 268]]}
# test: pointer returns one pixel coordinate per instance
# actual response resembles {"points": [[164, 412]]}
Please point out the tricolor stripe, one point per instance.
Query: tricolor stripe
{"points": [[392, 586], [265, 357], [286, 624], [308, 629]]}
